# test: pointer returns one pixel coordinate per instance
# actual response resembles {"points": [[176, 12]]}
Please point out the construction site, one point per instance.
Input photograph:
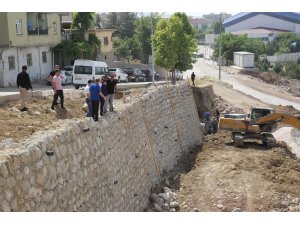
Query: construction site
{"points": [[45, 165]]}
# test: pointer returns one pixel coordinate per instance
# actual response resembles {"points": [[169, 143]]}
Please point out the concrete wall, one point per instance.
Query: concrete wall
{"points": [[38, 70], [283, 58], [111, 167]]}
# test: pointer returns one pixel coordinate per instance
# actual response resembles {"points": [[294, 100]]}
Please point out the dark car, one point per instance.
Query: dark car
{"points": [[135, 74], [148, 74]]}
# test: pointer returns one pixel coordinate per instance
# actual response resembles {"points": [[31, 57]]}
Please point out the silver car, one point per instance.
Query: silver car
{"points": [[66, 78], [120, 74]]}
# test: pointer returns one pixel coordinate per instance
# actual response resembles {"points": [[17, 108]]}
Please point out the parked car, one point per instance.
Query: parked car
{"points": [[69, 69], [135, 74], [178, 75], [120, 74], [66, 78], [148, 74]]}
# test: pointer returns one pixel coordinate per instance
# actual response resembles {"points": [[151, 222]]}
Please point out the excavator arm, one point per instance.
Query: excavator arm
{"points": [[279, 117]]}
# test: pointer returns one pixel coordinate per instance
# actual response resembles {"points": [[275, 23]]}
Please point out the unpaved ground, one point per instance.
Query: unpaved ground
{"points": [[221, 177], [19, 125], [16, 125], [225, 178]]}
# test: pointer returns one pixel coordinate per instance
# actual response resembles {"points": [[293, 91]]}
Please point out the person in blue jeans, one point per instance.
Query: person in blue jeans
{"points": [[95, 93], [88, 98]]}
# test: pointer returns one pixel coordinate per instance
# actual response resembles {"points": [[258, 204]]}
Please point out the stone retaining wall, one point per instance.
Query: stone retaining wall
{"points": [[109, 165]]}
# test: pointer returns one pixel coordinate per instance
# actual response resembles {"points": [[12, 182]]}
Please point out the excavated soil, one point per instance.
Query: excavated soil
{"points": [[225, 178], [18, 125]]}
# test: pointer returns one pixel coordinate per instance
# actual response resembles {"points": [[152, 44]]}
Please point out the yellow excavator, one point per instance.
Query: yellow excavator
{"points": [[257, 125]]}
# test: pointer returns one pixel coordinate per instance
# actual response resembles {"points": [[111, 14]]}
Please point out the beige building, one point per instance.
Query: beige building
{"points": [[27, 39], [105, 36]]}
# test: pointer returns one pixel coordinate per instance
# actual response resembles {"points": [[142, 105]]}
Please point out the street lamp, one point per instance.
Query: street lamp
{"points": [[220, 45]]}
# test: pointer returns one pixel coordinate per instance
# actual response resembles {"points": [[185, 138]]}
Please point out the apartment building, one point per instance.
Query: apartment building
{"points": [[27, 39]]}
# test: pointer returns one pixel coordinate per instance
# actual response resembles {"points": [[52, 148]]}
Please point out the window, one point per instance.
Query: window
{"points": [[100, 70], [44, 57], [37, 23], [19, 26], [83, 69], [105, 40], [29, 59], [54, 27], [11, 62]]}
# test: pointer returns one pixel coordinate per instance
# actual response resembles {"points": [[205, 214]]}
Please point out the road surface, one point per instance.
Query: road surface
{"points": [[244, 84]]}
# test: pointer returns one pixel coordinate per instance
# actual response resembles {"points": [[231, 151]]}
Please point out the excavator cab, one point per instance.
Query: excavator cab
{"points": [[260, 112]]}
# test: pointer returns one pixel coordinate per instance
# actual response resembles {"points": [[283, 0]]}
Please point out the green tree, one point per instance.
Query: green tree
{"points": [[263, 65], [231, 43], [174, 43], [292, 70], [215, 28], [83, 20], [144, 28], [112, 20], [286, 42], [121, 49], [98, 21], [124, 24]]}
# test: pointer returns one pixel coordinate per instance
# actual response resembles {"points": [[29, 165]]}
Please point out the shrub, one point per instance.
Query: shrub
{"points": [[263, 65], [277, 68]]}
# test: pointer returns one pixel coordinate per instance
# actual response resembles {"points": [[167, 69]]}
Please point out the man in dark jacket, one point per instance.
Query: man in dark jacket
{"points": [[111, 88], [193, 78], [24, 84]]}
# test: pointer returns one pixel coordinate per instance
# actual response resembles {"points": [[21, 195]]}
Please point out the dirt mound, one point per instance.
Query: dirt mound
{"points": [[18, 125], [270, 78], [225, 178]]}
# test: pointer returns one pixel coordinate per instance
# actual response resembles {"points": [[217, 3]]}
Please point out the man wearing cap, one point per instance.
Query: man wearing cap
{"points": [[24, 84]]}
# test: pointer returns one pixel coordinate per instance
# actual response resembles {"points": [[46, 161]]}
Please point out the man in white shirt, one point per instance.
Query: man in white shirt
{"points": [[88, 98], [58, 90]]}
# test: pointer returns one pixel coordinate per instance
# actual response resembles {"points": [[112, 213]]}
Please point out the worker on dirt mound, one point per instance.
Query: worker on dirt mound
{"points": [[24, 84]]}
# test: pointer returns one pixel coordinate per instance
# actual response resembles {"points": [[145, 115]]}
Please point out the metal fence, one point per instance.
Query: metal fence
{"points": [[284, 58]]}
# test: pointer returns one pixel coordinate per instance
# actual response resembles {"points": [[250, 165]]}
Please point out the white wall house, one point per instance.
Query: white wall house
{"points": [[285, 21], [38, 60]]}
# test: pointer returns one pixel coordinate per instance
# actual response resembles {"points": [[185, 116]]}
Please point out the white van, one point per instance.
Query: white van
{"points": [[84, 70]]}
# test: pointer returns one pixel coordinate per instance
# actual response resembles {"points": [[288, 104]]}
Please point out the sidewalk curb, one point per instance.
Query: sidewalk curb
{"points": [[15, 97]]}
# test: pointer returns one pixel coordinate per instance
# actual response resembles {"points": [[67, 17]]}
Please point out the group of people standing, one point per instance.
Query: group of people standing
{"points": [[100, 93]]}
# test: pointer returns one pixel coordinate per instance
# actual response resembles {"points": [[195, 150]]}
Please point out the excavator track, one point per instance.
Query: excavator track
{"points": [[238, 140]]}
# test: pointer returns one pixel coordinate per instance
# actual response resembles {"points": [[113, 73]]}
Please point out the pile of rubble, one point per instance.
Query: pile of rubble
{"points": [[289, 85], [225, 107], [287, 204], [285, 85], [163, 199]]}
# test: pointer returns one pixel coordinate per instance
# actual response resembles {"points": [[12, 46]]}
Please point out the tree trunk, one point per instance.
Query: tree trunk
{"points": [[173, 79]]}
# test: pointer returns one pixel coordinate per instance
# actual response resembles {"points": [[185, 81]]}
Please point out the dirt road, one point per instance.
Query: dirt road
{"points": [[222, 177]]}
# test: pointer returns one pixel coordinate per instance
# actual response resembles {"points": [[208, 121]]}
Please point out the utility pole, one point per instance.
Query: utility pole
{"points": [[220, 45], [152, 48]]}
